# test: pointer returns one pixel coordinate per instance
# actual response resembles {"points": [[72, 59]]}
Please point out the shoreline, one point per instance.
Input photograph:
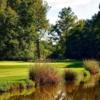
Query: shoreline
{"points": [[10, 86]]}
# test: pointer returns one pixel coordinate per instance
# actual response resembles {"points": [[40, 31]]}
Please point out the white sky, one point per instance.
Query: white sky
{"points": [[84, 9]]}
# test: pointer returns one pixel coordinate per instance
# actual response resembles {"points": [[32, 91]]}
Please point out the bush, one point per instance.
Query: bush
{"points": [[70, 77], [92, 66], [43, 74]]}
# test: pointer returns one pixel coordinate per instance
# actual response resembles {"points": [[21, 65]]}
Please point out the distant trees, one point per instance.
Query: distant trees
{"points": [[62, 27], [22, 24], [84, 41], [78, 39], [75, 41]]}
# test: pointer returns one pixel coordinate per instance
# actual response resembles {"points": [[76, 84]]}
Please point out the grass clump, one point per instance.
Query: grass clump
{"points": [[70, 77], [4, 86], [92, 66], [43, 74]]}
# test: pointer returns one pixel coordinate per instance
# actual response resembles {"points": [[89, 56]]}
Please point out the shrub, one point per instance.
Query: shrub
{"points": [[92, 66], [43, 74], [70, 77]]}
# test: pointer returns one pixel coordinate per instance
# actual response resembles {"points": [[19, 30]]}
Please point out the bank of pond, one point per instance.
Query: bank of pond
{"points": [[54, 92]]}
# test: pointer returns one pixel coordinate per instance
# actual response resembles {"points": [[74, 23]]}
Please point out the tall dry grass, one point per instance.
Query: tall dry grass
{"points": [[93, 67], [44, 74]]}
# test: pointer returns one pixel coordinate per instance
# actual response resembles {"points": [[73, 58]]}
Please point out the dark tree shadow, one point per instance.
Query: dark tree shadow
{"points": [[75, 65]]}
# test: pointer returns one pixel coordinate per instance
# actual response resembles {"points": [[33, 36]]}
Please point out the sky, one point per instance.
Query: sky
{"points": [[84, 9]]}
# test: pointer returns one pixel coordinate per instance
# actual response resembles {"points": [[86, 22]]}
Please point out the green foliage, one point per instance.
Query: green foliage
{"points": [[46, 49], [6, 86], [77, 39], [62, 28], [21, 25], [83, 43]]}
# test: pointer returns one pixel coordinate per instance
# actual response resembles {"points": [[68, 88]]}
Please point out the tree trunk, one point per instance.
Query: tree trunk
{"points": [[38, 48]]}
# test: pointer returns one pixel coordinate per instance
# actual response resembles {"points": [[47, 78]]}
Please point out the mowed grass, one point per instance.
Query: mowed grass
{"points": [[17, 70], [12, 71]]}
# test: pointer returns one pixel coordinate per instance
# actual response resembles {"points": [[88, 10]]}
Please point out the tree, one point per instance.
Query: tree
{"points": [[8, 41], [62, 27], [40, 23], [21, 25], [84, 41], [76, 41]]}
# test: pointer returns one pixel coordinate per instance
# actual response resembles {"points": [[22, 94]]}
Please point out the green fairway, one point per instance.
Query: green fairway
{"points": [[12, 71]]}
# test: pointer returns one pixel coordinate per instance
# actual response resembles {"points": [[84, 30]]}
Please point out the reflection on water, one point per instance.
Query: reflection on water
{"points": [[8, 95], [49, 93], [43, 93]]}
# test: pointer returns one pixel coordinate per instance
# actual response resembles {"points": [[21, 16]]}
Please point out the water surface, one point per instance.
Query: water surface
{"points": [[50, 92]]}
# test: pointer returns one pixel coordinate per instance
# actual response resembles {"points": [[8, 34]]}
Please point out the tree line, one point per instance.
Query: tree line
{"points": [[23, 25], [76, 39]]}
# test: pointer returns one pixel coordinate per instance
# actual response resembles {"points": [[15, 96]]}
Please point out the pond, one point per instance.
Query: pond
{"points": [[55, 93]]}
